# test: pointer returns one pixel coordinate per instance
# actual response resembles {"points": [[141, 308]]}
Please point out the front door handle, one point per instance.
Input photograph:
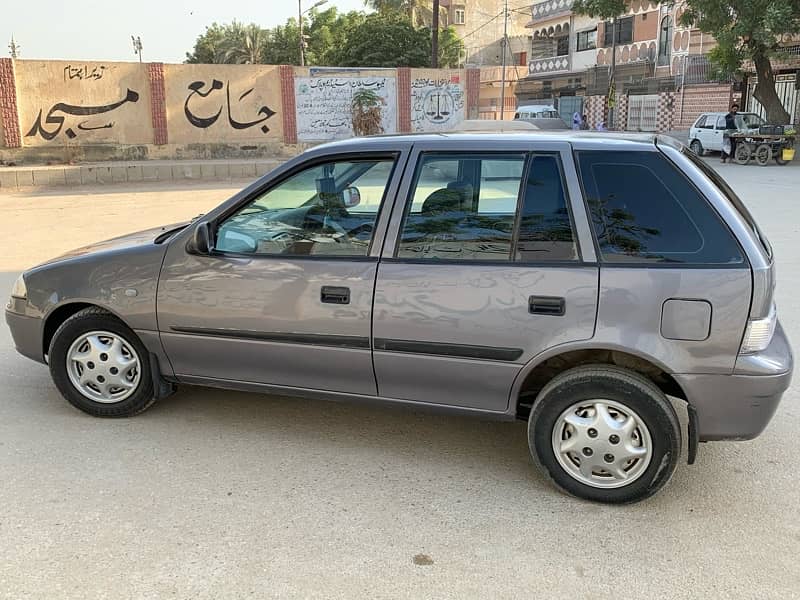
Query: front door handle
{"points": [[546, 305], [335, 295]]}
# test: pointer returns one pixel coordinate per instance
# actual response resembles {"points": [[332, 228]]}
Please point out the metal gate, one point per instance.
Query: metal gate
{"points": [[568, 106], [787, 92], [642, 113]]}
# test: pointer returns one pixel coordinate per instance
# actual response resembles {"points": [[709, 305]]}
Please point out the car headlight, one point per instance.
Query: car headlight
{"points": [[19, 290]]}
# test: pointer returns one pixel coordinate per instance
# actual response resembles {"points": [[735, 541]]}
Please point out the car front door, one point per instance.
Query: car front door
{"points": [[482, 270], [284, 298], [718, 135]]}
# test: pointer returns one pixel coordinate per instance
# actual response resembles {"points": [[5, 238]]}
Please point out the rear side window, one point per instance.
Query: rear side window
{"points": [[644, 210]]}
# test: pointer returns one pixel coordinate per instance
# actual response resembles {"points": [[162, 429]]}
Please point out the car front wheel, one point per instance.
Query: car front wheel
{"points": [[100, 366], [696, 147], [605, 434]]}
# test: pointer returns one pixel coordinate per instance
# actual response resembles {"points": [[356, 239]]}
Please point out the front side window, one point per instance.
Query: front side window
{"points": [[700, 122], [488, 207], [327, 210], [644, 210]]}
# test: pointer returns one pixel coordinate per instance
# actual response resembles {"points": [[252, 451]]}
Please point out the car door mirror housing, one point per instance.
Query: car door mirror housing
{"points": [[351, 197], [201, 242]]}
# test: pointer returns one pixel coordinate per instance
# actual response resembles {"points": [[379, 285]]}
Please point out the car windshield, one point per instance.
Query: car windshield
{"points": [[749, 121]]}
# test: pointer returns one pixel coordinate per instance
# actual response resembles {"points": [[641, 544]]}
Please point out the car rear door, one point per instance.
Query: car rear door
{"points": [[285, 298], [488, 261]]}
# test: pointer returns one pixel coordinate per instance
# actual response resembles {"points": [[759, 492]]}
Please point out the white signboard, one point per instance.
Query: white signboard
{"points": [[323, 105], [436, 104]]}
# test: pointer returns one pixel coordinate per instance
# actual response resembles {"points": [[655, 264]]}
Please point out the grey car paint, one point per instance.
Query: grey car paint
{"points": [[734, 395]]}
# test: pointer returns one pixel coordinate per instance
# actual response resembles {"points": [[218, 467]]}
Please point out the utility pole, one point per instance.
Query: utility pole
{"points": [[137, 46], [435, 36], [302, 41], [13, 48], [612, 90], [505, 47]]}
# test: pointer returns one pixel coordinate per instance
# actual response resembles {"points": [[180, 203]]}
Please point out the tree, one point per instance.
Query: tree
{"points": [[451, 48], [748, 30], [209, 44], [603, 9], [419, 12], [245, 45], [385, 40]]}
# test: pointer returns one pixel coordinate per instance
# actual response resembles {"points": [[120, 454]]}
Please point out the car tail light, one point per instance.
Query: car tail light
{"points": [[759, 333]]}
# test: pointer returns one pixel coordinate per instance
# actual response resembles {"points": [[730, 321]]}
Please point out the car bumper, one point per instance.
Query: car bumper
{"points": [[739, 406], [27, 334]]}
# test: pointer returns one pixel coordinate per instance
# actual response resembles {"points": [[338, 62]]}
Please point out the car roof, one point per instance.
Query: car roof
{"points": [[480, 140], [723, 113]]}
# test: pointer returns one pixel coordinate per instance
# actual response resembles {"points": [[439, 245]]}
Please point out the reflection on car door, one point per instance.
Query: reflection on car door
{"points": [[481, 272], [286, 297]]}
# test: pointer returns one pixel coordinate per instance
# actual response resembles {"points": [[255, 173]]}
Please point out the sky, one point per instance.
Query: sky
{"points": [[101, 30]]}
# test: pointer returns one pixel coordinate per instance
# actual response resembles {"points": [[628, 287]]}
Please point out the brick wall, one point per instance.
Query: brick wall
{"points": [[473, 93], [158, 103], [693, 100], [288, 101], [8, 104], [404, 100]]}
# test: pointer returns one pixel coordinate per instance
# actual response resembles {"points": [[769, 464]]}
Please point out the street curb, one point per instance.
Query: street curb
{"points": [[20, 178]]}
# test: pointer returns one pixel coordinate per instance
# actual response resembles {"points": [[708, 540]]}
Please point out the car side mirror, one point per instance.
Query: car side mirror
{"points": [[351, 197], [201, 242]]}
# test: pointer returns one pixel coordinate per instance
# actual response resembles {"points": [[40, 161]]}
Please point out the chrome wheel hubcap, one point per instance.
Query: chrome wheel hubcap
{"points": [[602, 443], [103, 366]]}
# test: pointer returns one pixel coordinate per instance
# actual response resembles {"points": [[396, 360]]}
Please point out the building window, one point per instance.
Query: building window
{"points": [[665, 40], [624, 31], [587, 40], [459, 16], [562, 46]]}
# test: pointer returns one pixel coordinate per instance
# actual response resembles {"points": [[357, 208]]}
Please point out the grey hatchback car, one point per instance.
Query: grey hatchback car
{"points": [[611, 290]]}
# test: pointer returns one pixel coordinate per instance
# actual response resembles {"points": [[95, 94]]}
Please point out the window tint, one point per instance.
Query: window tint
{"points": [[329, 210], [545, 228], [462, 207], [644, 210]]}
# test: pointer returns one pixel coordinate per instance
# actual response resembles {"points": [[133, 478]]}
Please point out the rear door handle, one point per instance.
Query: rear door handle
{"points": [[335, 295], [547, 305]]}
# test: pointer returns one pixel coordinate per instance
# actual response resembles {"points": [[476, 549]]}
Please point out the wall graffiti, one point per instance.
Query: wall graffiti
{"points": [[197, 87], [54, 118], [83, 72], [437, 103], [323, 105]]}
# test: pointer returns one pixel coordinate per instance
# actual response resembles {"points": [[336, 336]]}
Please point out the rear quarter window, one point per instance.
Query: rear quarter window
{"points": [[644, 210]]}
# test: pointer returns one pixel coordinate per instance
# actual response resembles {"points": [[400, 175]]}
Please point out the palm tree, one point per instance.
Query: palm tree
{"points": [[244, 44]]}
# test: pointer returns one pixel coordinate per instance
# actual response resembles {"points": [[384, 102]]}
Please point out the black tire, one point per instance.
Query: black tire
{"points": [[697, 147], [94, 319], [626, 388]]}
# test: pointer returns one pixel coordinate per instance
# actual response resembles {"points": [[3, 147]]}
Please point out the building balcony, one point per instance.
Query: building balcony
{"points": [[553, 64], [549, 9]]}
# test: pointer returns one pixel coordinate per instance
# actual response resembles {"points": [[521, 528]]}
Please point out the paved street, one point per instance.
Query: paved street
{"points": [[215, 494]]}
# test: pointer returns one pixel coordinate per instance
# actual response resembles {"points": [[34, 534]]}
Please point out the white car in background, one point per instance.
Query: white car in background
{"points": [[707, 132]]}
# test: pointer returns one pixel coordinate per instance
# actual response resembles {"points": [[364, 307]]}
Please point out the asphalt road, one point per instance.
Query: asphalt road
{"points": [[215, 494]]}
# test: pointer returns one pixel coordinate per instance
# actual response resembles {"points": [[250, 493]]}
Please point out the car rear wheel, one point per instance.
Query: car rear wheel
{"points": [[605, 434], [697, 147], [100, 366]]}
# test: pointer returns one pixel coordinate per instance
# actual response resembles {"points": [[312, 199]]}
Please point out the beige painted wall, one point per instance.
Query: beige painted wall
{"points": [[83, 102], [438, 99], [246, 98]]}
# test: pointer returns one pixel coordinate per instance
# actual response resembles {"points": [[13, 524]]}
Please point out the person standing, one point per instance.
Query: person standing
{"points": [[585, 123], [730, 125]]}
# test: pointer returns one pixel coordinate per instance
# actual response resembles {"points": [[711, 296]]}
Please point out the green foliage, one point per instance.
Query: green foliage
{"points": [[603, 9], [385, 40], [354, 39], [748, 30]]}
